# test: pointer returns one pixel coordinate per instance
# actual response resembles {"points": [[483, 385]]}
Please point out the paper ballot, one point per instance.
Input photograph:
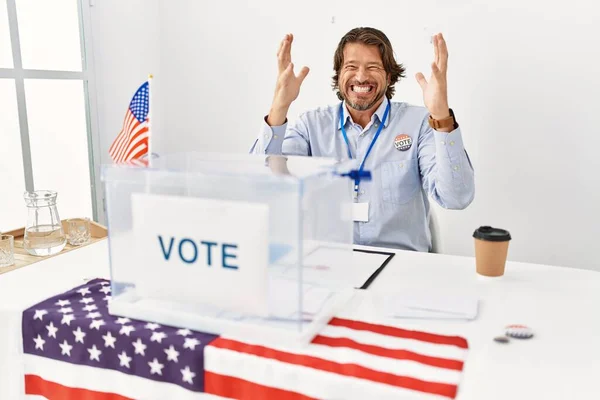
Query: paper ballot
{"points": [[427, 305]]}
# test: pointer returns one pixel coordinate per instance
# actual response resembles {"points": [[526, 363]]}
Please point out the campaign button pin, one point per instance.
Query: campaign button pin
{"points": [[402, 142], [519, 332]]}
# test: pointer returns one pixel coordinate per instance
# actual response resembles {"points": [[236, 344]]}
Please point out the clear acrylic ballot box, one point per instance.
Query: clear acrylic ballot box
{"points": [[230, 244]]}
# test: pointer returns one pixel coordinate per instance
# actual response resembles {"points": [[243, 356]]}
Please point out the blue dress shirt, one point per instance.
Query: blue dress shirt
{"points": [[436, 164]]}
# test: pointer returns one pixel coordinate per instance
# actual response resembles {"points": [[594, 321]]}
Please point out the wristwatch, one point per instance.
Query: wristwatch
{"points": [[444, 123]]}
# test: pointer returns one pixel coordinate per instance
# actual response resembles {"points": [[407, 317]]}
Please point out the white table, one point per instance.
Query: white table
{"points": [[562, 306]]}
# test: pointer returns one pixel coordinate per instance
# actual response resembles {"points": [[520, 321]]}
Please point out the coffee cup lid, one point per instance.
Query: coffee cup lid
{"points": [[491, 234]]}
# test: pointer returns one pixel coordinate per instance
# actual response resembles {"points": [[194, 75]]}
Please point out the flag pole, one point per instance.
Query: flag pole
{"points": [[150, 118]]}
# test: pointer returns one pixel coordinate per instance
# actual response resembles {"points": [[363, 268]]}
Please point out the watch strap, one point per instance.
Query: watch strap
{"points": [[449, 122]]}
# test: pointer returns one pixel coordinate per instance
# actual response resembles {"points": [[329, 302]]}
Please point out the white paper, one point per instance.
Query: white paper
{"points": [[332, 267], [427, 305]]}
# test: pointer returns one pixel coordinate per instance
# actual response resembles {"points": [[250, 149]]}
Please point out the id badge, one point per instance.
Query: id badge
{"points": [[360, 212]]}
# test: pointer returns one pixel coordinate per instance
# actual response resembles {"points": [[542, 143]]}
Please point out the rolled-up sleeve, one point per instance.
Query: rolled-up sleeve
{"points": [[446, 170], [282, 139]]}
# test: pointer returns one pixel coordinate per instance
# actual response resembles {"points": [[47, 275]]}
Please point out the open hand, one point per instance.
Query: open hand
{"points": [[435, 91], [288, 83]]}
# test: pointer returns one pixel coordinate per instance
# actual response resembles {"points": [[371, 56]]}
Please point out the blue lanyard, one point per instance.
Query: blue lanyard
{"points": [[362, 165]]}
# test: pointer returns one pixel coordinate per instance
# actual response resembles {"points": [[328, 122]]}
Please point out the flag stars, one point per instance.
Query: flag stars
{"points": [[39, 343], [94, 353], [172, 354], [90, 307], [124, 359], [51, 330], [86, 300], [158, 337], [84, 291], [96, 324], [122, 320], [65, 310], [184, 332], [155, 367], [152, 326], [62, 303], [105, 289], [93, 315], [66, 319], [65, 348], [188, 375], [79, 335], [109, 340], [191, 343], [140, 347], [126, 330], [39, 314]]}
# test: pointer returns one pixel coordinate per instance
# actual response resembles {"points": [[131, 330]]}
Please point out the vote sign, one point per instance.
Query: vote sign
{"points": [[201, 251]]}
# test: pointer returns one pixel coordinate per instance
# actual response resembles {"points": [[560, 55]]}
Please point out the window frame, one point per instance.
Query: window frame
{"points": [[87, 76]]}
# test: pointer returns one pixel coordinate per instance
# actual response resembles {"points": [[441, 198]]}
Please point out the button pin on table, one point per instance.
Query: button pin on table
{"points": [[519, 332], [515, 331]]}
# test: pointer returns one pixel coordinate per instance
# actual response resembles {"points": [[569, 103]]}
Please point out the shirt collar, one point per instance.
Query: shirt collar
{"points": [[379, 113]]}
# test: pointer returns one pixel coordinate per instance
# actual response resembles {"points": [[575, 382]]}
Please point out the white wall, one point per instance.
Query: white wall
{"points": [[523, 83], [124, 51], [125, 39]]}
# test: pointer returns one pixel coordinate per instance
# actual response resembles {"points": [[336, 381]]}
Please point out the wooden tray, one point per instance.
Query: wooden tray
{"points": [[23, 258]]}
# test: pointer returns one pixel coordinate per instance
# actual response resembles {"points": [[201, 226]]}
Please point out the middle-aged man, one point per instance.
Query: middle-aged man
{"points": [[411, 151]]}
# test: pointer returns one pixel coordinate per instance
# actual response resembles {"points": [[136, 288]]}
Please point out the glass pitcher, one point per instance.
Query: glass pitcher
{"points": [[44, 235]]}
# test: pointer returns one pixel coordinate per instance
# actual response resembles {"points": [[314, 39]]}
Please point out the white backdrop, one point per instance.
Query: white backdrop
{"points": [[523, 82], [125, 36]]}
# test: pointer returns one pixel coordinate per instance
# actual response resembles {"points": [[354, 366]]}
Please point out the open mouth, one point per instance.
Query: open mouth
{"points": [[361, 89]]}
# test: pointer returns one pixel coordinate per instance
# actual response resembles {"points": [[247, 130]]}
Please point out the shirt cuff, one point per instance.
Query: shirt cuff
{"points": [[270, 139], [449, 144], [453, 161]]}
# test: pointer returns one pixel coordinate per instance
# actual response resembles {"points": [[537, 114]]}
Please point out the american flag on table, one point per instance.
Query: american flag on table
{"points": [[132, 143], [75, 350]]}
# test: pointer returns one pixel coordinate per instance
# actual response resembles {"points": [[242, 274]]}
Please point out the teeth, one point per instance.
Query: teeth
{"points": [[361, 89]]}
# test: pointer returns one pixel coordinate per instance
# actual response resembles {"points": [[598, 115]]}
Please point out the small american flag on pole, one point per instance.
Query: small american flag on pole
{"points": [[132, 143]]}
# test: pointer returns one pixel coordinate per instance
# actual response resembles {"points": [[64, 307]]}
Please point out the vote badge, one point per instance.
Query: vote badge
{"points": [[402, 142], [519, 331]]}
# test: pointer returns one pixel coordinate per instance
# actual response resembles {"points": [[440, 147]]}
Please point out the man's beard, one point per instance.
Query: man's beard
{"points": [[364, 106]]}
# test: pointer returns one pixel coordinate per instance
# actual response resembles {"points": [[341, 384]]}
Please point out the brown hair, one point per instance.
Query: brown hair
{"points": [[371, 37]]}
